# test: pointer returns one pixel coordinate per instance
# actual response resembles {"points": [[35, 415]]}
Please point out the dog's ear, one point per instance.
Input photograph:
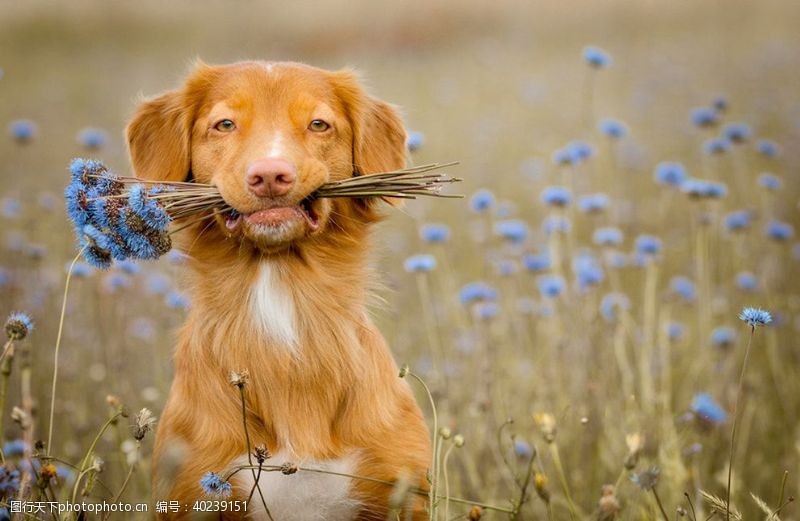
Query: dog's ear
{"points": [[159, 134], [379, 137]]}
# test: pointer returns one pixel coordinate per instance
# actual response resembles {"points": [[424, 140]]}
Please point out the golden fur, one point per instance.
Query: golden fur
{"points": [[340, 391]]}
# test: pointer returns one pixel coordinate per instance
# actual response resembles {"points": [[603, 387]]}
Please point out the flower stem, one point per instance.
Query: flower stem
{"points": [[735, 423]]}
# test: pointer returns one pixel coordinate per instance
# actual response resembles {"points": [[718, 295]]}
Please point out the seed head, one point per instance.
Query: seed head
{"points": [[239, 378], [289, 468], [475, 513], [547, 426], [261, 452], [540, 485], [143, 424], [18, 326], [458, 440]]}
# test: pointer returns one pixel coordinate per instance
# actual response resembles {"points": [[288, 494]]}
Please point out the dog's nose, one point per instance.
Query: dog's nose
{"points": [[270, 177]]}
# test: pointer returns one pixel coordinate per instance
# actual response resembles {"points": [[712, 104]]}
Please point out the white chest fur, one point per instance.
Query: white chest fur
{"points": [[303, 496], [273, 307]]}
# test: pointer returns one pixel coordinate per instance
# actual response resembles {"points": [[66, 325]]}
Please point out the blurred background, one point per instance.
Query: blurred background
{"points": [[625, 341]]}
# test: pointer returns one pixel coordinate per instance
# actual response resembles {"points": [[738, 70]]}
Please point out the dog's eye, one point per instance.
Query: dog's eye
{"points": [[318, 125], [225, 125]]}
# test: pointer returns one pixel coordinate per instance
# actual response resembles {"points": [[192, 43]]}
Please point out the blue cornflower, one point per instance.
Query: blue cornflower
{"points": [[10, 207], [213, 485], [14, 448], [738, 220], [579, 151], [716, 146], [18, 325], [683, 287], [434, 232], [746, 281], [723, 336], [22, 130], [612, 128], [596, 57], [98, 248], [779, 231], [612, 303], [77, 205], [90, 172], [157, 284], [737, 132], [675, 331], [648, 245], [536, 263], [486, 310], [176, 300], [415, 140], [550, 286], [513, 230], [128, 266], [420, 263], [670, 173], [556, 224], [556, 196], [702, 189], [770, 181], [522, 449], [704, 117], [768, 148], [92, 138], [476, 291], [149, 210], [139, 239], [80, 270], [115, 281], [481, 200], [9, 482], [593, 203], [755, 317], [562, 157], [706, 408], [587, 271], [608, 236]]}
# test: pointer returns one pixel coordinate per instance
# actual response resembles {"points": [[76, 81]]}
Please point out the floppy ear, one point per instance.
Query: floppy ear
{"points": [[379, 137], [159, 138]]}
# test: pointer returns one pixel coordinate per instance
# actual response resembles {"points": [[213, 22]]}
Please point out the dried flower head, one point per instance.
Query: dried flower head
{"points": [[635, 443], [143, 423], [547, 426], [475, 513], [48, 471], [289, 468], [18, 326], [540, 486], [20, 417], [648, 479], [458, 440], [239, 378], [261, 453], [404, 371], [445, 433]]}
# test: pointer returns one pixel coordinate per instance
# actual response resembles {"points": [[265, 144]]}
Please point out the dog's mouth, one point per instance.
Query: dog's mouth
{"points": [[275, 217]]}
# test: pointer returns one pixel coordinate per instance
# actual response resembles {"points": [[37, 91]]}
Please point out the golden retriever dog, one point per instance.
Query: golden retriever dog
{"points": [[278, 287]]}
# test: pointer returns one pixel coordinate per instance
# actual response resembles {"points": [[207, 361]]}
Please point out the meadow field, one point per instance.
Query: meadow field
{"points": [[631, 185]]}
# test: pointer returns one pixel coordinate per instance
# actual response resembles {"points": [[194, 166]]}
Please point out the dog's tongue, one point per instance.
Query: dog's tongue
{"points": [[273, 215]]}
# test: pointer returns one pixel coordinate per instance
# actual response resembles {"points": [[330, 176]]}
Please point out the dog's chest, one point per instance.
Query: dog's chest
{"points": [[303, 496], [272, 307]]}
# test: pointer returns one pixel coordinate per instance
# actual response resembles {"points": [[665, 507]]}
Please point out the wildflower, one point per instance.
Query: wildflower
{"points": [[723, 336], [770, 182], [707, 409], [239, 378], [768, 148], [513, 230], [289, 468], [550, 286], [562, 156], [22, 131], [755, 317], [596, 57], [475, 513], [702, 189], [546, 423], [612, 128], [704, 117], [434, 232], [421, 263], [635, 443], [593, 203], [128, 266], [261, 453], [779, 231], [587, 271], [176, 300], [14, 448], [20, 417], [608, 236], [746, 281], [608, 505], [92, 138], [458, 440], [737, 132], [481, 201], [675, 331], [556, 224], [648, 479], [477, 291], [720, 103], [145, 207], [10, 207], [648, 245], [536, 263], [143, 423], [115, 281], [505, 209], [612, 303], [523, 449], [157, 284], [716, 146], [414, 141], [486, 310], [556, 196], [738, 220], [48, 471], [670, 173], [579, 151], [176, 257], [18, 326], [683, 287], [213, 485], [540, 486], [9, 481]]}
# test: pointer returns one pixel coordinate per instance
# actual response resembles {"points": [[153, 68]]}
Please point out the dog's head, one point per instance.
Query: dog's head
{"points": [[268, 135]]}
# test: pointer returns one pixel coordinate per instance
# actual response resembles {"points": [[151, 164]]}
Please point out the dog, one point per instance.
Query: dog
{"points": [[278, 287]]}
